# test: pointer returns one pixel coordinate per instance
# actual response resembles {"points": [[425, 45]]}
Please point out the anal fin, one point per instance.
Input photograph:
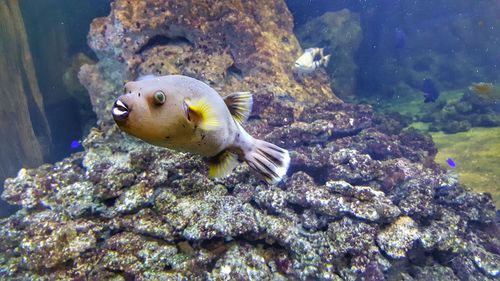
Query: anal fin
{"points": [[239, 105], [222, 164]]}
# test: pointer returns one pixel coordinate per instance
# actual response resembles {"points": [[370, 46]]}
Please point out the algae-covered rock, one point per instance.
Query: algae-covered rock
{"points": [[134, 198], [435, 272], [487, 262], [51, 239], [243, 262], [399, 237], [154, 213]]}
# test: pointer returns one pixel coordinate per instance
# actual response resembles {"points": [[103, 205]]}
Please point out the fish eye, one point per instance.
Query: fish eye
{"points": [[159, 97]]}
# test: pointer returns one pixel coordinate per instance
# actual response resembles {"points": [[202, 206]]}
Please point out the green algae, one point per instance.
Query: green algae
{"points": [[421, 126], [412, 103], [477, 156]]}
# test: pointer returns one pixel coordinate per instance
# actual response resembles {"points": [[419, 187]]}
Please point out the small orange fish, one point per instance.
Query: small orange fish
{"points": [[482, 88]]}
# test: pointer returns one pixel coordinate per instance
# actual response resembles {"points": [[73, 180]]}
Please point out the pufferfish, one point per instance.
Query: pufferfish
{"points": [[185, 114], [311, 60]]}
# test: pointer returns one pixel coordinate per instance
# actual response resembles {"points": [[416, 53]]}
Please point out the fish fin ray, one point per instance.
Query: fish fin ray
{"points": [[239, 105], [200, 112], [269, 160], [222, 164]]}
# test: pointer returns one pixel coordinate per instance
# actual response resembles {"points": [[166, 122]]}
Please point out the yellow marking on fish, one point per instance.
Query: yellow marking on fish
{"points": [[200, 112], [222, 164]]}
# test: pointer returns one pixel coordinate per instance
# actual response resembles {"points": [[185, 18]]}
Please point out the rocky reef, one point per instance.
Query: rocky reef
{"points": [[459, 115], [359, 202]]}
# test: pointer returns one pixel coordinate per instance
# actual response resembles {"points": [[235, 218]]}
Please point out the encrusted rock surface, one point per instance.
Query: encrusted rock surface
{"points": [[124, 208], [358, 203], [398, 237]]}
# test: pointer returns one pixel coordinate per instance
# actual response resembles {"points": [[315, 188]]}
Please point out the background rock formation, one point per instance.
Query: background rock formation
{"points": [[23, 125], [470, 110], [232, 45], [44, 105], [358, 203], [340, 34]]}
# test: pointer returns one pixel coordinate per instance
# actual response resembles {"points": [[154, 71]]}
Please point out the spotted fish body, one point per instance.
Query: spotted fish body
{"points": [[185, 114]]}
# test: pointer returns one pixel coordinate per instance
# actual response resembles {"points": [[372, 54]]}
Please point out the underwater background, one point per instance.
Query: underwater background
{"points": [[395, 142]]}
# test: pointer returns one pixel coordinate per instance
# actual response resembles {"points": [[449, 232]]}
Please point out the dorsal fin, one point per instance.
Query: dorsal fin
{"points": [[240, 105], [222, 164]]}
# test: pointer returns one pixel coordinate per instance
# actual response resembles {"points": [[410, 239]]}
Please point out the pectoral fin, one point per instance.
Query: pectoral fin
{"points": [[239, 105], [201, 113]]}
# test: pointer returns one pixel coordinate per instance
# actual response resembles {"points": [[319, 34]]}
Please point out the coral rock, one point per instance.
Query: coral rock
{"points": [[398, 238], [52, 240]]}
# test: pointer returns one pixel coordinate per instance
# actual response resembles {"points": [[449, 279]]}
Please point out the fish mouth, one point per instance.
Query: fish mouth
{"points": [[120, 111]]}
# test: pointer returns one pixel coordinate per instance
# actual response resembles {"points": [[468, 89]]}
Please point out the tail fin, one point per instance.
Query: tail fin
{"points": [[326, 60], [269, 160]]}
